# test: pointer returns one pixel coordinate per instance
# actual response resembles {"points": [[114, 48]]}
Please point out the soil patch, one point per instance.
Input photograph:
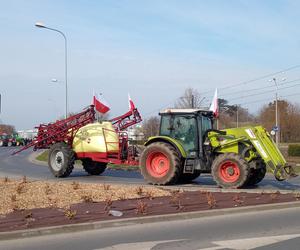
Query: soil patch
{"points": [[26, 194], [176, 202]]}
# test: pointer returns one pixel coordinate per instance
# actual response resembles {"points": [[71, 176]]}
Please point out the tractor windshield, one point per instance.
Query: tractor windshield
{"points": [[181, 128]]}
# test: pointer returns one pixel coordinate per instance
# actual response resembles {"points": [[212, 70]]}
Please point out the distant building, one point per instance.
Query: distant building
{"points": [[27, 134], [135, 134]]}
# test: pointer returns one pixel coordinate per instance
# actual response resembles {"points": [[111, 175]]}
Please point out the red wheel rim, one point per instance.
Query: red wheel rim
{"points": [[229, 171], [157, 164]]}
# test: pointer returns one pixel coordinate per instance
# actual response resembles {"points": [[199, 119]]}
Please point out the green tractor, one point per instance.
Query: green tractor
{"points": [[187, 145]]}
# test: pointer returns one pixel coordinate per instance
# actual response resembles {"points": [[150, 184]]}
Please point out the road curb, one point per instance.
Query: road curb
{"points": [[223, 190], [141, 220], [32, 158]]}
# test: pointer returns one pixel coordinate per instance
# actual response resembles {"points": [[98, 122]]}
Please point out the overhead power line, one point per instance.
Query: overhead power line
{"points": [[255, 79], [265, 87], [237, 84], [262, 93], [266, 99]]}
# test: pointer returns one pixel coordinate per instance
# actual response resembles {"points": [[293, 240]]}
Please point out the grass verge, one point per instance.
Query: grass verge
{"points": [[43, 156]]}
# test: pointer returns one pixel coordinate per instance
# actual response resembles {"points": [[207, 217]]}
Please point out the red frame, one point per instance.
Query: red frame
{"points": [[65, 130], [61, 130]]}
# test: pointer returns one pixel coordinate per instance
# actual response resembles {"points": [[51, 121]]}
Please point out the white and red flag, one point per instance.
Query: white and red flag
{"points": [[214, 107], [130, 103], [100, 104]]}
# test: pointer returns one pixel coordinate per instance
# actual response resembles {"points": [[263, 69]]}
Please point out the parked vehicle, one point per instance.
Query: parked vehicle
{"points": [[2, 140], [7, 140]]}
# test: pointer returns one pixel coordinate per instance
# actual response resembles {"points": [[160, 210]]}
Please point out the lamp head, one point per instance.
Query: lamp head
{"points": [[40, 25]]}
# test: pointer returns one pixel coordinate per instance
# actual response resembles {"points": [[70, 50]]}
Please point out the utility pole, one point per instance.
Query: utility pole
{"points": [[237, 116], [276, 112], [193, 101], [0, 107]]}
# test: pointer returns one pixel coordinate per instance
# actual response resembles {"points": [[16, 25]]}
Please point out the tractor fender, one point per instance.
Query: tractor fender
{"points": [[177, 145]]}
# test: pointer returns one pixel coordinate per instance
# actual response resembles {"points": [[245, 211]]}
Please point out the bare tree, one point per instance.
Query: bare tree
{"points": [[7, 129], [289, 119], [150, 126], [191, 98]]}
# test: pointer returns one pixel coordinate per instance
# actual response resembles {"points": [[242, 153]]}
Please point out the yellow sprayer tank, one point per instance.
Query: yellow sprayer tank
{"points": [[96, 137]]}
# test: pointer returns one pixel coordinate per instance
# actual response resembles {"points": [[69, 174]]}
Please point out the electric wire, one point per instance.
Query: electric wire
{"points": [[262, 93], [255, 79], [260, 88], [240, 84]]}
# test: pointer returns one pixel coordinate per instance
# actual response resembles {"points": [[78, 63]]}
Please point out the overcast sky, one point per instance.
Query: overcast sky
{"points": [[151, 49]]}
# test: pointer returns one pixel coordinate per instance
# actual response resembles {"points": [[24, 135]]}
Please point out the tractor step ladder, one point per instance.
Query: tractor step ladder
{"points": [[189, 166]]}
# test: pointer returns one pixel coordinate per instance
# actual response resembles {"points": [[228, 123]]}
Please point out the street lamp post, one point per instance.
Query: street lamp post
{"points": [[41, 25]]}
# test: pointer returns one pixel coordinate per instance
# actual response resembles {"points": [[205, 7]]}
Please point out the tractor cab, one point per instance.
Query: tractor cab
{"points": [[188, 127]]}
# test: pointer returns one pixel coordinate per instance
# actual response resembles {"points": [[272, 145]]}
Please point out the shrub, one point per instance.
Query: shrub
{"points": [[294, 150]]}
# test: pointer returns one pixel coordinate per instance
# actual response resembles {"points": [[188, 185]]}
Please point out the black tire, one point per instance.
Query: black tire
{"points": [[93, 167], [9, 144], [230, 170], [61, 159], [257, 174], [171, 163], [190, 177]]}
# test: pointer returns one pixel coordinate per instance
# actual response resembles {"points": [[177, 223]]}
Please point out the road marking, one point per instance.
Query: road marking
{"points": [[250, 243], [147, 245], [237, 244]]}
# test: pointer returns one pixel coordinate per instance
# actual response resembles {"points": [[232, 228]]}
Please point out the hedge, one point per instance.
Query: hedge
{"points": [[294, 150]]}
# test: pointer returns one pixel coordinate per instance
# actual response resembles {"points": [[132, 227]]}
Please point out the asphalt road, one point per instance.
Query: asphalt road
{"points": [[19, 165], [274, 229]]}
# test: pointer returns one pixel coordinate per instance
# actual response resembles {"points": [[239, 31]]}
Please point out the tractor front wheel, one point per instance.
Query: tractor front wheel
{"points": [[257, 174], [230, 170], [61, 159], [160, 164], [93, 167]]}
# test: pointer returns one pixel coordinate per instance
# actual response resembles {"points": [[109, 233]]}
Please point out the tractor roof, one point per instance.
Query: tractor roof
{"points": [[186, 111]]}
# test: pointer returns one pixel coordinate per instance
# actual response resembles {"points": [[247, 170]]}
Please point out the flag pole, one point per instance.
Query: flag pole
{"points": [[96, 111]]}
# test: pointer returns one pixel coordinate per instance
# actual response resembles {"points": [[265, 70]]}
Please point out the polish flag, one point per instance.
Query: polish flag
{"points": [[214, 105], [100, 104], [130, 103]]}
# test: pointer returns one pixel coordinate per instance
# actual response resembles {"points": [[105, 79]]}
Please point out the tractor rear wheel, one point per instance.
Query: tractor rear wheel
{"points": [[160, 164], [93, 167], [257, 174], [61, 159], [230, 170]]}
